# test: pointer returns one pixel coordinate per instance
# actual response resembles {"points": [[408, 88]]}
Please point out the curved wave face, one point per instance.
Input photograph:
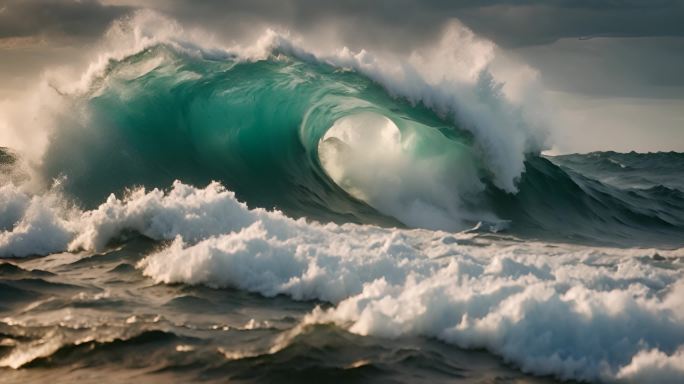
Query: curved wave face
{"points": [[258, 127], [328, 143]]}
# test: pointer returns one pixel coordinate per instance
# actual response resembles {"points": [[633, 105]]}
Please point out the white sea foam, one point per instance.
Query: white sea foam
{"points": [[573, 312], [655, 366], [570, 311], [33, 224]]}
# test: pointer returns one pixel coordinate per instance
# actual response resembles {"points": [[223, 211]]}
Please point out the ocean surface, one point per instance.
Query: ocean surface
{"points": [[203, 216]]}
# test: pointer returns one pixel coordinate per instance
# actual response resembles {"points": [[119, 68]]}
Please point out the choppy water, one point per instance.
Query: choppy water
{"points": [[71, 318]]}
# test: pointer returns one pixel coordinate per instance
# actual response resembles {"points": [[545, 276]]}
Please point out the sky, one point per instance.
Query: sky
{"points": [[611, 70]]}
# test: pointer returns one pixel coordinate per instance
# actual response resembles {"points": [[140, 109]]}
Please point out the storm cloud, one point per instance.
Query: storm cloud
{"points": [[509, 23], [54, 18]]}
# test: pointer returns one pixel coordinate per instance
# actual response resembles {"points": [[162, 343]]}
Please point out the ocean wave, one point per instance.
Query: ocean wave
{"points": [[55, 348], [252, 116], [434, 140]]}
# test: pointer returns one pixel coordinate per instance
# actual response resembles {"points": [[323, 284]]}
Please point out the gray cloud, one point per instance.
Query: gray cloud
{"points": [[620, 67], [55, 18], [576, 43], [545, 22], [626, 48], [510, 23]]}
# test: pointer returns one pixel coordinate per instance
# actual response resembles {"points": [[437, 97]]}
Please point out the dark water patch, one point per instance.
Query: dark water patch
{"points": [[559, 204], [12, 296], [326, 353], [629, 170], [188, 303], [7, 157], [124, 269], [130, 251], [135, 352], [13, 270], [52, 303], [231, 298], [42, 285], [104, 303]]}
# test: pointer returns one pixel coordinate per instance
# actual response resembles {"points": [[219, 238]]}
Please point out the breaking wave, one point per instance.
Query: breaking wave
{"points": [[343, 137]]}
